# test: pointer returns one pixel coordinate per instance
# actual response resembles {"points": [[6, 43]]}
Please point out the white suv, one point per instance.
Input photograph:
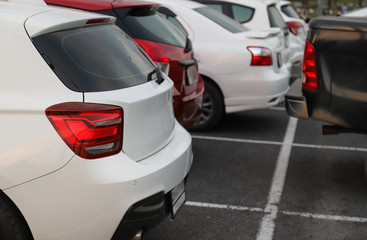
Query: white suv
{"points": [[242, 70], [90, 147]]}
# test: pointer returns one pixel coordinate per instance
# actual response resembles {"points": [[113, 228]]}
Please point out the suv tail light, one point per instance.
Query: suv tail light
{"points": [[156, 53], [310, 80], [261, 56], [90, 130], [294, 27]]}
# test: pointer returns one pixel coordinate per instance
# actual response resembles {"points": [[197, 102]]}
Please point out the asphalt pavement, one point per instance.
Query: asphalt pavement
{"points": [[263, 175]]}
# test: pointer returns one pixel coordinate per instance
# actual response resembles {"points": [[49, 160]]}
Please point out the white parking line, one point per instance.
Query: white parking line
{"points": [[289, 213], [302, 145], [267, 224], [222, 206]]}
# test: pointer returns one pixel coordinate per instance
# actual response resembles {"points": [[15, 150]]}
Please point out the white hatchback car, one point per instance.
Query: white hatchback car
{"points": [[242, 69], [90, 147]]}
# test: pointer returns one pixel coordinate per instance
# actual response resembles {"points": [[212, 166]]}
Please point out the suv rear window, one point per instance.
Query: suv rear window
{"points": [[94, 59], [147, 24], [220, 19]]}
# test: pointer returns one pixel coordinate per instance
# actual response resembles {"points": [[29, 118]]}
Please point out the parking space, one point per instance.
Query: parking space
{"points": [[263, 175]]}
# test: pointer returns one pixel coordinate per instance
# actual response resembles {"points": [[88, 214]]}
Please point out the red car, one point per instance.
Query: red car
{"points": [[164, 44]]}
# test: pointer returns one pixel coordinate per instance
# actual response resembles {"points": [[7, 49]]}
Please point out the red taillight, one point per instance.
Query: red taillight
{"points": [[90, 130], [294, 27], [261, 56], [310, 80], [156, 53]]}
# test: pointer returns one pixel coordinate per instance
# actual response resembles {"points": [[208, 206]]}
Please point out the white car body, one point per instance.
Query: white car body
{"points": [[224, 59], [361, 12], [60, 194], [297, 42]]}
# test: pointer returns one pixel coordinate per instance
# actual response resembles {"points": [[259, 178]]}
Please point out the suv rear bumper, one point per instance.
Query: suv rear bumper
{"points": [[295, 102], [296, 106]]}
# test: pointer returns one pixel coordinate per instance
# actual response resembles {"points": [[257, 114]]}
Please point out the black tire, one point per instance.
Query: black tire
{"points": [[12, 223], [212, 109]]}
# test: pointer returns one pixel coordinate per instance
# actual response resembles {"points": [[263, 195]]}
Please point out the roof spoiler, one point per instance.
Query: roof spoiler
{"points": [[29, 2]]}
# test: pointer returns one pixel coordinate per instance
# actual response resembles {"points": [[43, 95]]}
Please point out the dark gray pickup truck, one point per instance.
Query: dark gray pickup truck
{"points": [[334, 82]]}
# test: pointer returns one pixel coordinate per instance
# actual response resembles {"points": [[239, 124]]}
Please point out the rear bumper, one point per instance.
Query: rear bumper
{"points": [[295, 102], [87, 199], [296, 106]]}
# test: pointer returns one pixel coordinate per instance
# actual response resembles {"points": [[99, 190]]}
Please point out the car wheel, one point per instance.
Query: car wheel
{"points": [[212, 109], [12, 224]]}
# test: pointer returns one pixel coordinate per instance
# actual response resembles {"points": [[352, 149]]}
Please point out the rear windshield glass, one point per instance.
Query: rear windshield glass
{"points": [[289, 11], [148, 24], [93, 59], [276, 20], [222, 20]]}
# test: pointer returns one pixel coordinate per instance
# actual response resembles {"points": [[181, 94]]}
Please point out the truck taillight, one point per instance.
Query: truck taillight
{"points": [[90, 130], [261, 56], [156, 53], [310, 80], [294, 27]]}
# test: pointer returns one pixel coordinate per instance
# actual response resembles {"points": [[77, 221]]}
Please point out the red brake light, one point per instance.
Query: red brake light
{"points": [[90, 130], [100, 20], [310, 80], [294, 27], [261, 56], [156, 53]]}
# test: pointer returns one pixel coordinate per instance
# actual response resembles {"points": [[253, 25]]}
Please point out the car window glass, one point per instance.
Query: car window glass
{"points": [[147, 24], [276, 20], [215, 6], [289, 11], [242, 14], [176, 23], [222, 20], [93, 59]]}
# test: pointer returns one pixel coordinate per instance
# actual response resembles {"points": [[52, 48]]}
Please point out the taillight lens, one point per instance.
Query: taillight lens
{"points": [[90, 130], [310, 80], [294, 27], [261, 56], [156, 53]]}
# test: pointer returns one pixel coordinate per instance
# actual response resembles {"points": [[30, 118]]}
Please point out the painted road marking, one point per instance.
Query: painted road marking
{"points": [[289, 213], [239, 140], [267, 224]]}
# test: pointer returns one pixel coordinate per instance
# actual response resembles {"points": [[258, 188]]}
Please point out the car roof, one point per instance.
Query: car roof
{"points": [[39, 18], [96, 5], [246, 2], [183, 3]]}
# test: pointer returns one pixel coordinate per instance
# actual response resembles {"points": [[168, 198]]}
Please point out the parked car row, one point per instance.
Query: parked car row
{"points": [[98, 150]]}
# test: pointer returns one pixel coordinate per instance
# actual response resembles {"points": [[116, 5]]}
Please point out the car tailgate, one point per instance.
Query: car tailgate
{"points": [[148, 116]]}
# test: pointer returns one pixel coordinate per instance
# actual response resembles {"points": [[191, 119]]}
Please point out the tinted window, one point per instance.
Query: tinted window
{"points": [[276, 20], [242, 14], [289, 11], [147, 24], [221, 19], [215, 6], [93, 59], [176, 23]]}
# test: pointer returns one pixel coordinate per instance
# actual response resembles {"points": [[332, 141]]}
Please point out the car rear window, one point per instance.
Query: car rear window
{"points": [[276, 20], [242, 14], [222, 20], [94, 59], [147, 24], [289, 11]]}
